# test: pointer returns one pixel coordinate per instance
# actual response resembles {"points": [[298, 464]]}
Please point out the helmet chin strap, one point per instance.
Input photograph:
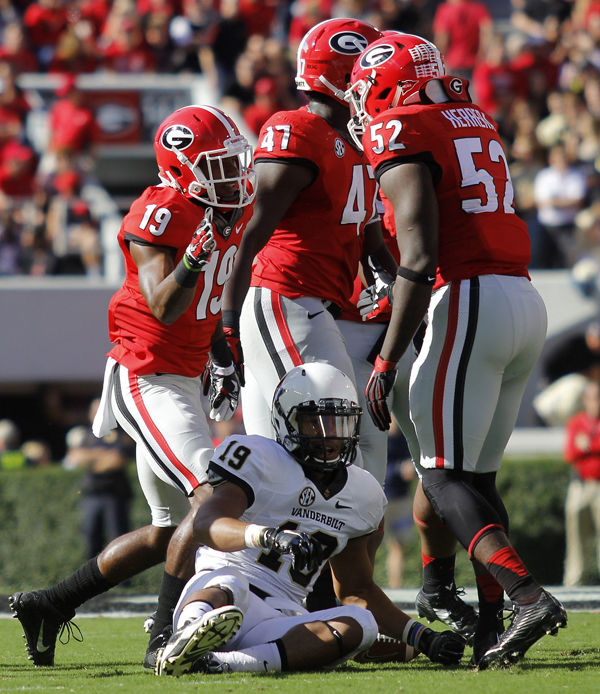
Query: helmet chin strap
{"points": [[338, 93]]}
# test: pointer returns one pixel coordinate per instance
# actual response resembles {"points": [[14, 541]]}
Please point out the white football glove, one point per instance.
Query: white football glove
{"points": [[222, 386], [377, 298]]}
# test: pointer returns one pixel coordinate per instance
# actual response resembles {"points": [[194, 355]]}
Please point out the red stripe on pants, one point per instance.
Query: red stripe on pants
{"points": [[156, 434], [440, 377]]}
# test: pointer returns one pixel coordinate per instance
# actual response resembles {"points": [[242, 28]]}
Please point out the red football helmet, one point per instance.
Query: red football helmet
{"points": [[201, 153], [387, 73], [327, 53]]}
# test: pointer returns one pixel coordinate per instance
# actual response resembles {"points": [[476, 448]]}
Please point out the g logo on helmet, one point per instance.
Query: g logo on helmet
{"points": [[456, 85], [348, 43], [377, 56], [177, 137]]}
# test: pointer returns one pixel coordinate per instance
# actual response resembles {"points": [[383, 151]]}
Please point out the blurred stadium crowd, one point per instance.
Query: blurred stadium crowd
{"points": [[534, 66]]}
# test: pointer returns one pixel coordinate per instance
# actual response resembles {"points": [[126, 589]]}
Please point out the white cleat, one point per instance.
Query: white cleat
{"points": [[196, 638]]}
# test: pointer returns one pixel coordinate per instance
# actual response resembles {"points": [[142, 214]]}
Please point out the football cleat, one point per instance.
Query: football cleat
{"points": [[42, 624], [447, 607], [155, 644], [196, 638], [486, 636], [210, 665], [530, 622]]}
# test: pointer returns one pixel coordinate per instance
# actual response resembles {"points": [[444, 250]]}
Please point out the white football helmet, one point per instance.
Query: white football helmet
{"points": [[316, 416]]}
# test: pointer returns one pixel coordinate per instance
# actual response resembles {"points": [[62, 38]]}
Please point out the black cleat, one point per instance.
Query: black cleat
{"points": [[42, 624], [155, 645], [486, 636], [447, 607], [209, 665], [530, 622]]}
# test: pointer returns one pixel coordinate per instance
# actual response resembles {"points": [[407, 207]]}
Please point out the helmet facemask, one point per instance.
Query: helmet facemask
{"points": [[230, 167], [359, 119], [321, 435], [356, 96]]}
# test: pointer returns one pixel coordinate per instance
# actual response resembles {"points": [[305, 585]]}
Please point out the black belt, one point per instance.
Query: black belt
{"points": [[334, 309], [259, 591]]}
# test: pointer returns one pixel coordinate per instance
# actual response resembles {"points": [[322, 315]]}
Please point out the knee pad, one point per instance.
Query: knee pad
{"points": [[458, 504], [231, 579]]}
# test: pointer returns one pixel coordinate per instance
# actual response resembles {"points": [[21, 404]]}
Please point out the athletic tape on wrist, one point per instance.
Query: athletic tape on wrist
{"points": [[252, 535]]}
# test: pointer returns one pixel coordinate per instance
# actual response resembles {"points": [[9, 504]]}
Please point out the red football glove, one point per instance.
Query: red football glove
{"points": [[378, 388]]}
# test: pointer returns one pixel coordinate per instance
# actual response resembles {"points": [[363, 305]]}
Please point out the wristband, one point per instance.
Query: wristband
{"points": [[381, 365], [185, 276], [412, 633], [418, 277], [231, 319], [252, 535]]}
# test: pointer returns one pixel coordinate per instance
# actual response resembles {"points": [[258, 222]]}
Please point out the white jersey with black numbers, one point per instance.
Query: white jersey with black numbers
{"points": [[280, 495]]}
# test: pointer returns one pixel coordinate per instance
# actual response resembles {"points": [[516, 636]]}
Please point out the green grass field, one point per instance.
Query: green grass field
{"points": [[108, 660]]}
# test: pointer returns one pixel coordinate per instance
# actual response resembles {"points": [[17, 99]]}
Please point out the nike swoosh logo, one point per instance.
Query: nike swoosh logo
{"points": [[238, 228], [338, 505], [312, 315], [40, 646], [430, 279]]}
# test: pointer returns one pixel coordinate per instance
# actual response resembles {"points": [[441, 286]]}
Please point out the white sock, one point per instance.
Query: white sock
{"points": [[263, 658], [192, 611]]}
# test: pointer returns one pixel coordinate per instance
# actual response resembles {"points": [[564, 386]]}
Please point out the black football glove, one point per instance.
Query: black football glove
{"points": [[378, 388], [444, 647], [307, 553], [203, 243], [221, 385]]}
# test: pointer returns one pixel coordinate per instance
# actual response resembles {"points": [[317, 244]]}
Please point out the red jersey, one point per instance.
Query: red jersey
{"points": [[479, 232], [582, 445], [315, 249], [161, 216]]}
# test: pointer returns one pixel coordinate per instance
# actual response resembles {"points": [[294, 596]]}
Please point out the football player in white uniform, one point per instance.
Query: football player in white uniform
{"points": [[279, 511]]}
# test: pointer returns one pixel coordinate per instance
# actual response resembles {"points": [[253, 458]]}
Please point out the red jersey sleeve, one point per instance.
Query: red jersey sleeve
{"points": [[290, 135], [159, 218]]}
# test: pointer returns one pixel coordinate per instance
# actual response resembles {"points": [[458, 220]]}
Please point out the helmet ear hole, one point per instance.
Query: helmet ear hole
{"points": [[175, 171]]}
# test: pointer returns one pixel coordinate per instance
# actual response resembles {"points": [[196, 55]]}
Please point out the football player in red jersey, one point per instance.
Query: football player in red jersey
{"points": [[178, 240], [315, 209], [464, 255], [439, 598], [315, 213]]}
